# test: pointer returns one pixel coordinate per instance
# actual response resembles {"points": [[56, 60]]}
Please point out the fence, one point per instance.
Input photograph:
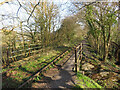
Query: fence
{"points": [[10, 54], [13, 54], [78, 57]]}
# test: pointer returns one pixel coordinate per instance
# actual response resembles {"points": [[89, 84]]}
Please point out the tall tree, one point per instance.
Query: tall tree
{"points": [[43, 16], [101, 19]]}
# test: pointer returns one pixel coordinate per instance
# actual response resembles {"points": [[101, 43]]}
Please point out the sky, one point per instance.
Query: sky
{"points": [[10, 10]]}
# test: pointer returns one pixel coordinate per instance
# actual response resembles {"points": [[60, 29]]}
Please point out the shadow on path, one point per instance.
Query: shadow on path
{"points": [[62, 80]]}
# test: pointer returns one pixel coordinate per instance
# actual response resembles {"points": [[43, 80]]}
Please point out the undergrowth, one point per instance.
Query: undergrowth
{"points": [[86, 82]]}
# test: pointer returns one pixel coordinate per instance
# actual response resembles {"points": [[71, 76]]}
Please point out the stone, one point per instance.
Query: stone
{"points": [[104, 73], [114, 79], [8, 74], [87, 66], [104, 67], [115, 74], [82, 72], [101, 69], [96, 76]]}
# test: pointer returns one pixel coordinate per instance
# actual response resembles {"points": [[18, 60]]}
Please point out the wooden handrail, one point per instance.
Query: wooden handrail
{"points": [[78, 56]]}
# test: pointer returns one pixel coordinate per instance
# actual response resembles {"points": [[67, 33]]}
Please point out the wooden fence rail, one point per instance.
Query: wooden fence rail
{"points": [[46, 66], [78, 57], [13, 54]]}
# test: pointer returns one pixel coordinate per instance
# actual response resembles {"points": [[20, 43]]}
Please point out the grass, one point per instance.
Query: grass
{"points": [[32, 65], [63, 56], [86, 82], [113, 65], [37, 78], [105, 82], [38, 58]]}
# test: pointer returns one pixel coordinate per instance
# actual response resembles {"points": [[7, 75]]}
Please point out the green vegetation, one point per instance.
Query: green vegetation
{"points": [[86, 82], [23, 72], [31, 43]]}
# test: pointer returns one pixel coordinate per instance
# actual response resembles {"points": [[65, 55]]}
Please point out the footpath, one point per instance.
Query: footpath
{"points": [[58, 77]]}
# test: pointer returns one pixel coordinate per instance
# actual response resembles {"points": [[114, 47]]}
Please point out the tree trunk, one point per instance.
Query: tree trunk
{"points": [[105, 45], [22, 35], [119, 24]]}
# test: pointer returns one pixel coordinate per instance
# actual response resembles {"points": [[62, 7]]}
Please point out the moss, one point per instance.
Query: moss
{"points": [[86, 82], [32, 65]]}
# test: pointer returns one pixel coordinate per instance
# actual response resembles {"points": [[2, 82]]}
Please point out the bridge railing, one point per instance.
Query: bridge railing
{"points": [[78, 57]]}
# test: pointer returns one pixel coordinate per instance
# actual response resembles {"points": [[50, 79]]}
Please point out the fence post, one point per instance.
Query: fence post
{"points": [[29, 49], [80, 58], [75, 59], [81, 51], [7, 56], [12, 54]]}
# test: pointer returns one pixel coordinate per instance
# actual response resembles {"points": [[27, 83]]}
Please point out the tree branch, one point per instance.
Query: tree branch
{"points": [[5, 1], [19, 7], [33, 10]]}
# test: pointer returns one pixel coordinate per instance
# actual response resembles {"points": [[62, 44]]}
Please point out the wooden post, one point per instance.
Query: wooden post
{"points": [[81, 51], [75, 59], [12, 54], [7, 56], [80, 57], [15, 53], [29, 49]]}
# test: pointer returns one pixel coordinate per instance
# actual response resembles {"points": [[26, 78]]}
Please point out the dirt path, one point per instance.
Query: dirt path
{"points": [[58, 77]]}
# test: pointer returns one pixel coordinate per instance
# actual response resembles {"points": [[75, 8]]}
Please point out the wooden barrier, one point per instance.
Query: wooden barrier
{"points": [[43, 68], [78, 57], [11, 54]]}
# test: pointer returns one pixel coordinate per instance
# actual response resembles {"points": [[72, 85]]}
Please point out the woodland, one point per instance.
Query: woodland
{"points": [[36, 31]]}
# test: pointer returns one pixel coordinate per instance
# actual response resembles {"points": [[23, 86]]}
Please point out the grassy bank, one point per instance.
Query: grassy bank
{"points": [[86, 82]]}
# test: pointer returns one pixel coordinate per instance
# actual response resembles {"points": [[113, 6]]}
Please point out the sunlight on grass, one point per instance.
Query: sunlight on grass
{"points": [[86, 82], [34, 63]]}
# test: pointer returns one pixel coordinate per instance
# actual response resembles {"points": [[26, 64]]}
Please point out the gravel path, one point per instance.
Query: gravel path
{"points": [[58, 77]]}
